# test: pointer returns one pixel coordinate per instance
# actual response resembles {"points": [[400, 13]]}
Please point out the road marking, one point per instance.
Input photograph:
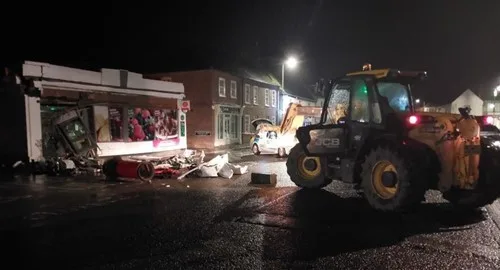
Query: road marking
{"points": [[275, 200], [457, 247]]}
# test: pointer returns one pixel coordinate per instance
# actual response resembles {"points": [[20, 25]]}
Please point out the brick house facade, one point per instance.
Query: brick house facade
{"points": [[260, 100], [216, 98]]}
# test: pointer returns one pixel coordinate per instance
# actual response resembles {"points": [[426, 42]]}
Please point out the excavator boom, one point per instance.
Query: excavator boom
{"points": [[294, 117]]}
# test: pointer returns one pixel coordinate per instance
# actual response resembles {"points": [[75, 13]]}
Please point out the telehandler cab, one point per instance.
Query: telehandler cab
{"points": [[370, 135]]}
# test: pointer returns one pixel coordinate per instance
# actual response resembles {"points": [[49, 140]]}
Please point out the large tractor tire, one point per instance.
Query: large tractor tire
{"points": [[488, 186], [390, 181], [304, 171], [469, 199]]}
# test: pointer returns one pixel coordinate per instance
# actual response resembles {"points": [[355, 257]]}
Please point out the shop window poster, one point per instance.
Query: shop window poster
{"points": [[152, 124], [101, 122], [116, 126]]}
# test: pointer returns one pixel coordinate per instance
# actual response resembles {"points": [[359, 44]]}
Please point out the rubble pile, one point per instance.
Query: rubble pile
{"points": [[191, 163], [63, 166], [76, 153]]}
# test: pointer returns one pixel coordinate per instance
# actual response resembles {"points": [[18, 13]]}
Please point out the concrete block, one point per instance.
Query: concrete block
{"points": [[263, 179]]}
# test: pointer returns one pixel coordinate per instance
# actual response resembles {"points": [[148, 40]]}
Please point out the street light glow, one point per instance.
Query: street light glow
{"points": [[291, 62], [417, 100]]}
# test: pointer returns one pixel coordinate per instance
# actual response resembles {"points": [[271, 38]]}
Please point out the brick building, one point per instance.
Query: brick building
{"points": [[260, 100], [216, 112], [223, 104]]}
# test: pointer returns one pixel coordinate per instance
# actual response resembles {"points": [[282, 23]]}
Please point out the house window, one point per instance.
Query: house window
{"points": [[233, 89], [246, 123], [266, 97], [220, 126], [273, 98], [255, 95], [222, 87], [247, 94]]}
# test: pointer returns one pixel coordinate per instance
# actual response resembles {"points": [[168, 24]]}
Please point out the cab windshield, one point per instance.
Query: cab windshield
{"points": [[396, 94]]}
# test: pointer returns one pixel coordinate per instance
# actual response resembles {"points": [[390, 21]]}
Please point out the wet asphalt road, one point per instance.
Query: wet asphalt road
{"points": [[85, 223]]}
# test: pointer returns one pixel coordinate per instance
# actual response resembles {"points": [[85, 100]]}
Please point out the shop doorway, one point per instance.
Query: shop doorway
{"points": [[228, 129]]}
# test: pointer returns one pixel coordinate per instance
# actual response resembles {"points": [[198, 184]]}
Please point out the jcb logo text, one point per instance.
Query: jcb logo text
{"points": [[327, 142]]}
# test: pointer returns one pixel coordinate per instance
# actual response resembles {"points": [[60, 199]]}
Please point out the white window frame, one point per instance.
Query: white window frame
{"points": [[266, 97], [255, 95], [222, 88], [234, 90], [273, 98], [233, 122], [247, 94], [246, 123]]}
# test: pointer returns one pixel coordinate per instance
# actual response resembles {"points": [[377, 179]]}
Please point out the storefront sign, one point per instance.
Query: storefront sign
{"points": [[232, 110], [202, 133], [114, 112], [183, 128], [185, 105]]}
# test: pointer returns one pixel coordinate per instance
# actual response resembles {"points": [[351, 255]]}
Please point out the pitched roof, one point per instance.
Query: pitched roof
{"points": [[304, 92], [257, 76], [469, 93]]}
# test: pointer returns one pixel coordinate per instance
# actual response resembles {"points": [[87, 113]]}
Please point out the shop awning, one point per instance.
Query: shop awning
{"points": [[84, 87]]}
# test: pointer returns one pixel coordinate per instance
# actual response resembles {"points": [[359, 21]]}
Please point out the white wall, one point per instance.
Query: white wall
{"points": [[468, 98], [107, 80], [106, 77], [33, 127]]}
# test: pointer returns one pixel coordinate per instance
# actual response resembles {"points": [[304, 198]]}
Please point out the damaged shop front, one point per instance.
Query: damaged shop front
{"points": [[101, 114]]}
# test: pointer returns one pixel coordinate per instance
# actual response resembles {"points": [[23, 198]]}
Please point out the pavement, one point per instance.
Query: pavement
{"points": [[88, 223]]}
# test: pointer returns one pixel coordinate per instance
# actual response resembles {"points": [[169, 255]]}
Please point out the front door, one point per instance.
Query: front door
{"points": [[227, 128]]}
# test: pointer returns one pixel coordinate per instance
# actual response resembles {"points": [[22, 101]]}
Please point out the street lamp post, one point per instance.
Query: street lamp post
{"points": [[291, 63]]}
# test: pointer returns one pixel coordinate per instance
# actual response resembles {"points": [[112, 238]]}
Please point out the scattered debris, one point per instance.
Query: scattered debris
{"points": [[120, 168], [264, 179], [191, 163], [75, 151]]}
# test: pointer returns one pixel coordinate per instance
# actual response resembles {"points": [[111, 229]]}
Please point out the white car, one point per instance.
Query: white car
{"points": [[268, 140]]}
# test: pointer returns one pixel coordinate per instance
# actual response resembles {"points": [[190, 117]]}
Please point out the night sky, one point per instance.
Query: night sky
{"points": [[456, 41]]}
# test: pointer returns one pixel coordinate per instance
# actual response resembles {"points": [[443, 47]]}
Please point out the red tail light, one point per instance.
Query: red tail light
{"points": [[488, 120], [413, 120]]}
